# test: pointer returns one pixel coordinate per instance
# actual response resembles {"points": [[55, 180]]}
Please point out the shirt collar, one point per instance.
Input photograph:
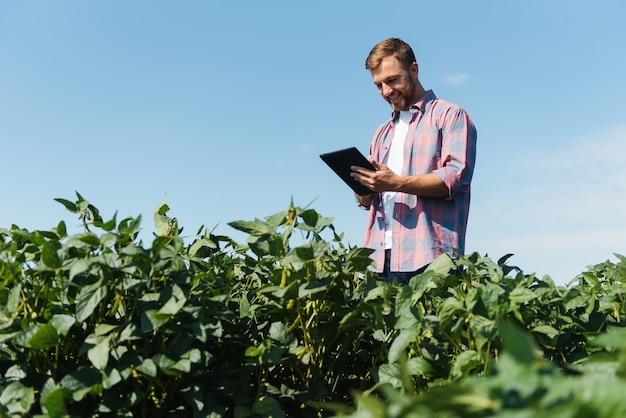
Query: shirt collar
{"points": [[420, 105]]}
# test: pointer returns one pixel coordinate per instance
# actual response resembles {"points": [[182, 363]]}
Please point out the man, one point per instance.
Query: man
{"points": [[424, 158]]}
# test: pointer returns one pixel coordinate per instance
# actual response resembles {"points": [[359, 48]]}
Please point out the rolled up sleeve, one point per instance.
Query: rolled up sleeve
{"points": [[458, 151]]}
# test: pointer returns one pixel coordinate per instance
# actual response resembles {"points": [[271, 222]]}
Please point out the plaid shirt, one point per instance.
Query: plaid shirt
{"points": [[441, 140]]}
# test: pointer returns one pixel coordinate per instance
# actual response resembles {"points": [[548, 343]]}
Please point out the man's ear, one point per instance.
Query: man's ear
{"points": [[414, 70]]}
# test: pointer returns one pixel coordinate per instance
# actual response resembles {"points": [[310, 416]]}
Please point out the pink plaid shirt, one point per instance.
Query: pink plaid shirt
{"points": [[442, 140]]}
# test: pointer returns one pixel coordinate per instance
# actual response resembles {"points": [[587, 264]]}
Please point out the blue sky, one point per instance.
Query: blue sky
{"points": [[224, 108]]}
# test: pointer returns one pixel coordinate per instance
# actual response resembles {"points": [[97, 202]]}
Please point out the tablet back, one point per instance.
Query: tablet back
{"points": [[340, 162]]}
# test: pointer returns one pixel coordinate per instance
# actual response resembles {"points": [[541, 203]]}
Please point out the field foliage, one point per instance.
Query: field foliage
{"points": [[100, 324]]}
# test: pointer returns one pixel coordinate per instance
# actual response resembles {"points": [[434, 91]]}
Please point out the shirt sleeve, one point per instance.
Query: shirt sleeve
{"points": [[458, 151]]}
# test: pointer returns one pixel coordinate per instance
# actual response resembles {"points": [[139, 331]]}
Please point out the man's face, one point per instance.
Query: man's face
{"points": [[395, 83]]}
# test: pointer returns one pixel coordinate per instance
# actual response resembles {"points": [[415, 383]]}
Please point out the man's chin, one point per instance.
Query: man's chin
{"points": [[398, 108]]}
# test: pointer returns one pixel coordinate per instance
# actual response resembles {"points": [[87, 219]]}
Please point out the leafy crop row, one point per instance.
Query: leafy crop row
{"points": [[98, 324]]}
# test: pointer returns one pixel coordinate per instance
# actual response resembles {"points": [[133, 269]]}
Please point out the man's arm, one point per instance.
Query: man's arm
{"points": [[385, 180]]}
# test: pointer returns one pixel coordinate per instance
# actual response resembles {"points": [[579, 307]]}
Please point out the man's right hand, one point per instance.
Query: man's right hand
{"points": [[364, 201]]}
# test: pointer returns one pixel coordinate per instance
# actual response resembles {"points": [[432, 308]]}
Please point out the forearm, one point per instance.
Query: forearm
{"points": [[384, 180], [426, 185]]}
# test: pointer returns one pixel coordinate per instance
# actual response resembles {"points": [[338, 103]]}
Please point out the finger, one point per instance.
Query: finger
{"points": [[358, 169], [375, 163]]}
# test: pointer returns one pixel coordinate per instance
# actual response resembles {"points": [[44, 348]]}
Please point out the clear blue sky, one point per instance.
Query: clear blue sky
{"points": [[224, 108]]}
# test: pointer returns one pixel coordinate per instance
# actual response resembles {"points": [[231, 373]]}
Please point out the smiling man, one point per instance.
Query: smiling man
{"points": [[424, 158]]}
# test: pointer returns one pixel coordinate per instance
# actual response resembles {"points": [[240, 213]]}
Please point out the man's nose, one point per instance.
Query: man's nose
{"points": [[385, 90]]}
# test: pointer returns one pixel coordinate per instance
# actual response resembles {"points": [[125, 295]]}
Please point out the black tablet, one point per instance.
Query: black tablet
{"points": [[340, 162]]}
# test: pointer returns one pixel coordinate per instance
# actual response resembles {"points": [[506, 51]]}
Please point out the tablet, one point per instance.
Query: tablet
{"points": [[340, 162]]}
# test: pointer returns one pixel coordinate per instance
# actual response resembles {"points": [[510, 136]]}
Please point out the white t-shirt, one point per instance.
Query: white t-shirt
{"points": [[395, 162]]}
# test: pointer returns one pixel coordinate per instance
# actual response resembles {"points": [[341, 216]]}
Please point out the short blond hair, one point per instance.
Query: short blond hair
{"points": [[390, 47]]}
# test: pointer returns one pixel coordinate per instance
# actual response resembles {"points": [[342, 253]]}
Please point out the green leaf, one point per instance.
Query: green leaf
{"points": [[420, 285], [82, 382], [310, 217], [613, 338], [173, 367], [175, 303], [442, 265], [49, 256], [152, 320], [62, 323], [45, 337], [165, 226], [279, 332], [16, 400], [502, 260], [54, 403], [576, 302], [483, 330], [89, 299], [265, 352], [518, 343], [492, 296], [358, 260], [464, 363], [202, 248], [591, 279], [130, 333], [79, 266], [89, 239], [314, 222], [447, 310], [148, 368], [182, 365], [112, 379], [307, 289], [15, 373], [522, 295], [276, 220], [61, 229], [16, 336], [400, 343], [23, 337], [256, 227], [309, 252], [99, 354], [373, 406], [417, 366], [68, 205], [546, 330], [104, 329], [265, 245], [284, 293], [14, 299], [255, 351], [390, 373]]}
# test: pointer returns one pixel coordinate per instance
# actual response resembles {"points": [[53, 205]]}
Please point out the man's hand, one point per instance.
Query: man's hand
{"points": [[381, 180], [364, 201]]}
